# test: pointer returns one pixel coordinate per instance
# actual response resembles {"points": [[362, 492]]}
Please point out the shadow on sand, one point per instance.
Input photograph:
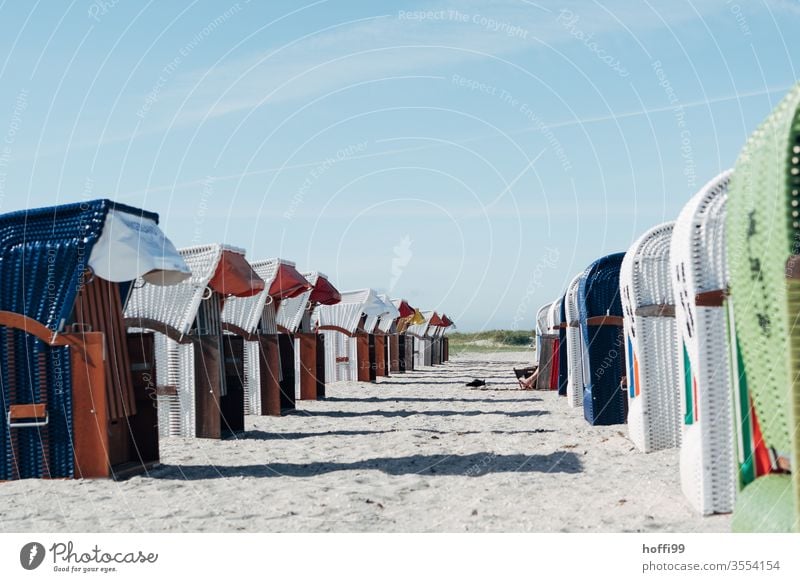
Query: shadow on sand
{"points": [[473, 465]]}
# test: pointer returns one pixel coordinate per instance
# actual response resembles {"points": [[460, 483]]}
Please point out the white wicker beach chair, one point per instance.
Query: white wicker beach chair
{"points": [[700, 278], [541, 329], [385, 336], [260, 319], [418, 332], [574, 346], [185, 315], [339, 324], [650, 341]]}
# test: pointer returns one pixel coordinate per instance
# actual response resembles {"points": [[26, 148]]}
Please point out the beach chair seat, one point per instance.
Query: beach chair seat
{"points": [[700, 282], [653, 371], [763, 230], [601, 326]]}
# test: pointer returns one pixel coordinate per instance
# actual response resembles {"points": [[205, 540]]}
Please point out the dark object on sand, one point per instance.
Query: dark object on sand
{"points": [[476, 383], [523, 373]]}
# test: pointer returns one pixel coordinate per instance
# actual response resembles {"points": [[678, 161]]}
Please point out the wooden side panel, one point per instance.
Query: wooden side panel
{"points": [[308, 365], [270, 371], [208, 384], [99, 308], [394, 352], [320, 341], [90, 415], [364, 363], [380, 355]]}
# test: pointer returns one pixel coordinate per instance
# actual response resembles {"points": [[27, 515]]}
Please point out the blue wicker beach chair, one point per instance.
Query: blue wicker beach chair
{"points": [[72, 406], [604, 400]]}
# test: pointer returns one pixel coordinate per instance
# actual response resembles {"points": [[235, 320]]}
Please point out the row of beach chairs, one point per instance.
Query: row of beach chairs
{"points": [[111, 339], [691, 336]]}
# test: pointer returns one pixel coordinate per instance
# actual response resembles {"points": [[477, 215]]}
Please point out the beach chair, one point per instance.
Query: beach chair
{"points": [[268, 349], [408, 317], [385, 336], [344, 326], [700, 280], [198, 394], [294, 316], [547, 346], [604, 400], [554, 321], [76, 386], [653, 364], [435, 333], [574, 345], [417, 331], [763, 245], [447, 325]]}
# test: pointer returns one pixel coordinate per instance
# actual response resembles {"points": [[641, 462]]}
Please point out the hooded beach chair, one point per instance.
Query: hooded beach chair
{"points": [[763, 246], [267, 350], [195, 398], [574, 345], [604, 401], [426, 340], [547, 345], [700, 280], [448, 326], [435, 329], [342, 325], [76, 386], [408, 317], [385, 336], [651, 355], [294, 317], [368, 348], [417, 331]]}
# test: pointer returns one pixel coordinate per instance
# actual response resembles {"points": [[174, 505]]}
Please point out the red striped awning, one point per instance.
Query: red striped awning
{"points": [[288, 283], [324, 292], [234, 276]]}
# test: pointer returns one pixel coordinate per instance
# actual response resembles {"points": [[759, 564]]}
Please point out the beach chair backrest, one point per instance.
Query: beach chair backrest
{"points": [[602, 335], [653, 372], [763, 244], [700, 282]]}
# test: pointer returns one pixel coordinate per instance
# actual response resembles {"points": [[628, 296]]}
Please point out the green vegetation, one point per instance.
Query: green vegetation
{"points": [[498, 340]]}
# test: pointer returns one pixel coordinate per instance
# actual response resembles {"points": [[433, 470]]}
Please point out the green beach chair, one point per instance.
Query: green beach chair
{"points": [[763, 246]]}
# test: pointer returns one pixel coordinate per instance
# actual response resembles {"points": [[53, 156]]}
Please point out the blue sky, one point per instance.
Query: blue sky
{"points": [[469, 156]]}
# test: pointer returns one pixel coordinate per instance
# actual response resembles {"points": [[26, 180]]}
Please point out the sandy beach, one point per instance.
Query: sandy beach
{"points": [[414, 452]]}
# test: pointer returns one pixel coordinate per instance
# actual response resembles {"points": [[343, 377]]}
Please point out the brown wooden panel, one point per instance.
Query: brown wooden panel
{"points": [[89, 406], [99, 308], [270, 381], [362, 353], [600, 320], [320, 341], [208, 385], [32, 412], [658, 310], [308, 365], [714, 298], [380, 355], [394, 352]]}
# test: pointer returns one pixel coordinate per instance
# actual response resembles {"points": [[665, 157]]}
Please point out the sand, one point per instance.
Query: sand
{"points": [[414, 452]]}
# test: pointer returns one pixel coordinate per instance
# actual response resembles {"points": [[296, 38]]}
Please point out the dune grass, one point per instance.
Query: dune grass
{"points": [[497, 340]]}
